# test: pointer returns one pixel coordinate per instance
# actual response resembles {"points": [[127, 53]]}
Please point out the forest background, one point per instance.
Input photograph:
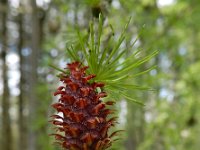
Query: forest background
{"points": [[36, 33]]}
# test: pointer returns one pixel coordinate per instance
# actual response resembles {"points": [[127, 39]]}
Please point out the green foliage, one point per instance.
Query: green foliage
{"points": [[110, 65]]}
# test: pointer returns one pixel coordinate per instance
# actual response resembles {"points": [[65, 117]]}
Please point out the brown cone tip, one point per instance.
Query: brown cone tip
{"points": [[84, 124]]}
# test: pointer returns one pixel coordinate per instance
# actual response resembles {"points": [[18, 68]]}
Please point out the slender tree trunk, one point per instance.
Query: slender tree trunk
{"points": [[33, 103], [22, 122], [6, 122]]}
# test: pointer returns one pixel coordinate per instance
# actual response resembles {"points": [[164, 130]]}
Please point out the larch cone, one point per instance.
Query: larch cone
{"points": [[85, 121]]}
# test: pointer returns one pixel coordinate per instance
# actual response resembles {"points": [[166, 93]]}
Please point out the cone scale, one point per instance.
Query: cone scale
{"points": [[85, 122]]}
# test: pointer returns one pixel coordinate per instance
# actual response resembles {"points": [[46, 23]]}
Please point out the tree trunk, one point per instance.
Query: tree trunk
{"points": [[6, 122], [33, 101], [22, 123]]}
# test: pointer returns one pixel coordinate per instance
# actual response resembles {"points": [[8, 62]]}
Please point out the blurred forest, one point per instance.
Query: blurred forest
{"points": [[36, 33]]}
